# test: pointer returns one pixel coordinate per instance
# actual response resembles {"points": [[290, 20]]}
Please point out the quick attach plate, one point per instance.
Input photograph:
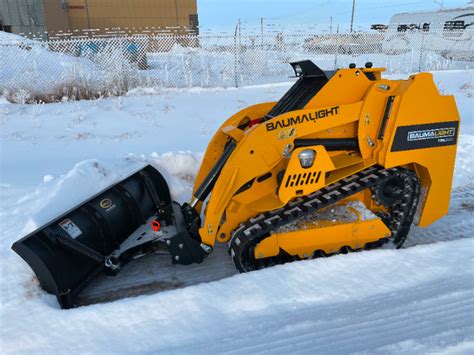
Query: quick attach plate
{"points": [[143, 235]]}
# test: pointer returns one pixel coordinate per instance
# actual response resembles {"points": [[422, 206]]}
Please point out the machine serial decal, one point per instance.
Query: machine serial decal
{"points": [[290, 121], [425, 136]]}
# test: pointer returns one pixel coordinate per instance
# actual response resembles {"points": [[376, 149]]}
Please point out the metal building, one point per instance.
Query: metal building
{"points": [[22, 16], [37, 16], [132, 14]]}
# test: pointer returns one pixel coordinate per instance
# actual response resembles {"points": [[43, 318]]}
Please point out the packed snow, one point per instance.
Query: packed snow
{"points": [[53, 156], [342, 213]]}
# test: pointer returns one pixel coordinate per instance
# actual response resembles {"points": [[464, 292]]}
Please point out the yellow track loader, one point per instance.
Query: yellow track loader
{"points": [[346, 160]]}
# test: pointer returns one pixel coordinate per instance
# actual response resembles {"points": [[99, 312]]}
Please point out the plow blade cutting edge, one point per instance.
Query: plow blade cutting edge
{"points": [[129, 219]]}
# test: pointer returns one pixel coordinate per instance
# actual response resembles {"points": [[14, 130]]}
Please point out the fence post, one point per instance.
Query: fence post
{"points": [[422, 48], [337, 51], [337, 47], [236, 59]]}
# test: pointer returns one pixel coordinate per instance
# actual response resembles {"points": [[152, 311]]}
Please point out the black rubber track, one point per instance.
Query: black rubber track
{"points": [[399, 217]]}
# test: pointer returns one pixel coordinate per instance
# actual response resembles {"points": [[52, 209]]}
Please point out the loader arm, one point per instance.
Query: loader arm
{"points": [[243, 120]]}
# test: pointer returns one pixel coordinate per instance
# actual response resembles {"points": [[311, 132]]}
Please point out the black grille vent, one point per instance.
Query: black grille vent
{"points": [[308, 178]]}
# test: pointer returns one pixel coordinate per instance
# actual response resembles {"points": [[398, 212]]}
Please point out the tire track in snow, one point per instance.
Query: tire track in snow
{"points": [[350, 327], [459, 223]]}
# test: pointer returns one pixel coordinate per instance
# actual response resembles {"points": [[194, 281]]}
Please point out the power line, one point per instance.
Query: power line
{"points": [[303, 14], [295, 14], [368, 9], [306, 12]]}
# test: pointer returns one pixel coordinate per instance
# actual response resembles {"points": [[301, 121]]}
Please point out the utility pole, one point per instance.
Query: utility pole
{"points": [[176, 8], [261, 30], [236, 57], [88, 17], [330, 26], [352, 16], [240, 38]]}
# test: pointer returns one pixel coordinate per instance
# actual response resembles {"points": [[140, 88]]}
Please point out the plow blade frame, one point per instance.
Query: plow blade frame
{"points": [[69, 251]]}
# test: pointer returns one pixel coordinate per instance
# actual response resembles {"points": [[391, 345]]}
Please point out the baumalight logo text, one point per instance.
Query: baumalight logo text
{"points": [[436, 133], [290, 121]]}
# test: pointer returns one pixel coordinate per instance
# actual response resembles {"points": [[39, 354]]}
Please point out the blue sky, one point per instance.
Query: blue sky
{"points": [[227, 12]]}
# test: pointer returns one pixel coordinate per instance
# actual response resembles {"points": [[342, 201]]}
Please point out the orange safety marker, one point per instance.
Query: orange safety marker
{"points": [[155, 225], [254, 122]]}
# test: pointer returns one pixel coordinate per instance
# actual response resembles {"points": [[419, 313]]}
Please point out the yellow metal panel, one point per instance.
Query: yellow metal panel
{"points": [[216, 145], [420, 103], [372, 114], [299, 181], [337, 92], [329, 239]]}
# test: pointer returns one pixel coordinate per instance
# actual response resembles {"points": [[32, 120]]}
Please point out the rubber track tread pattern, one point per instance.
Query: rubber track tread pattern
{"points": [[398, 220]]}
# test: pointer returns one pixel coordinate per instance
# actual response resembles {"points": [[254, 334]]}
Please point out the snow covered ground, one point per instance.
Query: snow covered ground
{"points": [[53, 156]]}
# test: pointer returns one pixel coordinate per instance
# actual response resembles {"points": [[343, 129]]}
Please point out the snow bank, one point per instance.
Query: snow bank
{"points": [[29, 71], [464, 161], [32, 71]]}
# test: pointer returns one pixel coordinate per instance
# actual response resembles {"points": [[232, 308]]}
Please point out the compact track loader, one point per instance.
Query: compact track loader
{"points": [[346, 160]]}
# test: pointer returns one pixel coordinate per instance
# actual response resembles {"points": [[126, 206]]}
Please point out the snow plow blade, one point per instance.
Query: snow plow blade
{"points": [[100, 234]]}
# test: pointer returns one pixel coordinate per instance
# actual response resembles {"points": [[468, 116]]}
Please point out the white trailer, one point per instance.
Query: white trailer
{"points": [[448, 32]]}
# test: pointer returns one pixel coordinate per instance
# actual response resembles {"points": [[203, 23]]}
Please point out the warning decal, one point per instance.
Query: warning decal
{"points": [[70, 228]]}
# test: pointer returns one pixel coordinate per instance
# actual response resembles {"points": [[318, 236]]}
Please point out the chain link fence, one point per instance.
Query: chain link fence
{"points": [[78, 68]]}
